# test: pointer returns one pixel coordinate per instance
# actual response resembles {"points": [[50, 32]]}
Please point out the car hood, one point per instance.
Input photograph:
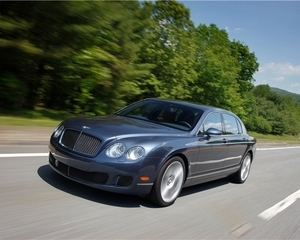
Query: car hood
{"points": [[120, 127]]}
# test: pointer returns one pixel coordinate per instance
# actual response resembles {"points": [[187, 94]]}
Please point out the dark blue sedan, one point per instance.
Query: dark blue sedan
{"points": [[153, 148]]}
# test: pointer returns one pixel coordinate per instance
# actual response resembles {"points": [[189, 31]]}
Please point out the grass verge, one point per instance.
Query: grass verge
{"points": [[21, 121], [39, 117], [268, 138]]}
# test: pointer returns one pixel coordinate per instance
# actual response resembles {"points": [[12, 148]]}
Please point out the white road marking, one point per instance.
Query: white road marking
{"points": [[12, 155], [279, 207], [277, 148], [285, 203]]}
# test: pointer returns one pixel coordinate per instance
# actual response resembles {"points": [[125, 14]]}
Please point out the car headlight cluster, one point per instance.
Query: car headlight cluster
{"points": [[58, 131], [118, 149], [135, 153]]}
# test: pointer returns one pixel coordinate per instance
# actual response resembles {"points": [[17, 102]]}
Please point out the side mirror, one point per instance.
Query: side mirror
{"points": [[213, 131]]}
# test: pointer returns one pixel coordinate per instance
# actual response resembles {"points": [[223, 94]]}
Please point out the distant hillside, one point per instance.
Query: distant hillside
{"points": [[294, 96]]}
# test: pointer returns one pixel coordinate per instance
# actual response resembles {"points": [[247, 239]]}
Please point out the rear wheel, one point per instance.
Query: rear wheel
{"points": [[242, 174], [168, 183]]}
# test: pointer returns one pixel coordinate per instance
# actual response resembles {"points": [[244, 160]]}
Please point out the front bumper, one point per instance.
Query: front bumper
{"points": [[118, 178]]}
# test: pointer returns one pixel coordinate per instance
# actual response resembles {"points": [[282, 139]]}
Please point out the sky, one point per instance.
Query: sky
{"points": [[271, 30]]}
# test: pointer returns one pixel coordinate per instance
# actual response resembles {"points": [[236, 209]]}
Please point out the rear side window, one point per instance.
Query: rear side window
{"points": [[231, 125]]}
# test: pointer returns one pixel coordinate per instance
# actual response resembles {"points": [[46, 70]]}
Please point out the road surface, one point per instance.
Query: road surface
{"points": [[37, 203]]}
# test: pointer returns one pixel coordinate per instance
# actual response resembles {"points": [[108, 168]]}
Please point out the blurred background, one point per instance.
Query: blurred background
{"points": [[63, 58]]}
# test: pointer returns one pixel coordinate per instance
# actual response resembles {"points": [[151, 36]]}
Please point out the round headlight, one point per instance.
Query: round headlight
{"points": [[115, 150], [135, 153], [58, 131]]}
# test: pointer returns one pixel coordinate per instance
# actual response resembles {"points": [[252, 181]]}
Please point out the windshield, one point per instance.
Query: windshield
{"points": [[169, 114]]}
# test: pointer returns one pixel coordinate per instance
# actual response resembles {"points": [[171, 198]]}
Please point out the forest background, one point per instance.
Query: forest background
{"points": [[94, 57]]}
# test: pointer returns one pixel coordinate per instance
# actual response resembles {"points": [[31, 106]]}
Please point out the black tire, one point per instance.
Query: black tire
{"points": [[242, 174], [168, 183]]}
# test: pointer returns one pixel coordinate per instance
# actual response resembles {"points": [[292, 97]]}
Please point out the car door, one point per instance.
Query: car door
{"points": [[236, 141], [212, 150]]}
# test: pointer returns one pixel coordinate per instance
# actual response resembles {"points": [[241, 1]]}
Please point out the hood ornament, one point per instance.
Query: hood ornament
{"points": [[86, 127]]}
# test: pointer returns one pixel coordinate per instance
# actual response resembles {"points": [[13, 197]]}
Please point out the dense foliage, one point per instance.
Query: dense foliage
{"points": [[273, 113], [93, 57]]}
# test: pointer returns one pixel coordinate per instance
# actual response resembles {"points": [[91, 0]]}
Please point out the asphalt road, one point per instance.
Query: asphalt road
{"points": [[37, 203]]}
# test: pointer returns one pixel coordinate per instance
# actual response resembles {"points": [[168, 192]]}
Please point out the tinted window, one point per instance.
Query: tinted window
{"points": [[143, 111], [231, 126], [213, 120], [166, 113]]}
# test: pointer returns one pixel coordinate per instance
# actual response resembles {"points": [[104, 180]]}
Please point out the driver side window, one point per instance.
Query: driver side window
{"points": [[213, 120]]}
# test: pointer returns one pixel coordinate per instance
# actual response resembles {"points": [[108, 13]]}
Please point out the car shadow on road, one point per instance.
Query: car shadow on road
{"points": [[203, 187], [89, 193], [120, 200]]}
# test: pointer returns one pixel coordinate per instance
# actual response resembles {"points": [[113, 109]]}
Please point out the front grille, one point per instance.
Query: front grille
{"points": [[80, 142], [124, 181], [69, 138]]}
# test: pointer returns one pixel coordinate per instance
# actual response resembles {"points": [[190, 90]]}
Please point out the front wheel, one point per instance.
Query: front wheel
{"points": [[242, 174], [168, 183]]}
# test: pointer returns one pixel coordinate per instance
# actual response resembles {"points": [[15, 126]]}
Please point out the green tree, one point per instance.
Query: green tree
{"points": [[106, 71], [48, 33], [280, 112], [262, 91], [78, 56], [248, 66], [217, 70], [168, 46]]}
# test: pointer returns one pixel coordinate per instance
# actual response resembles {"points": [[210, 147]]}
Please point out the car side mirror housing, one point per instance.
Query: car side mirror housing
{"points": [[213, 131]]}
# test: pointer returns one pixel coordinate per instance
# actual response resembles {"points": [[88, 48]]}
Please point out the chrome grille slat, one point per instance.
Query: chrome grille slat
{"points": [[80, 142]]}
